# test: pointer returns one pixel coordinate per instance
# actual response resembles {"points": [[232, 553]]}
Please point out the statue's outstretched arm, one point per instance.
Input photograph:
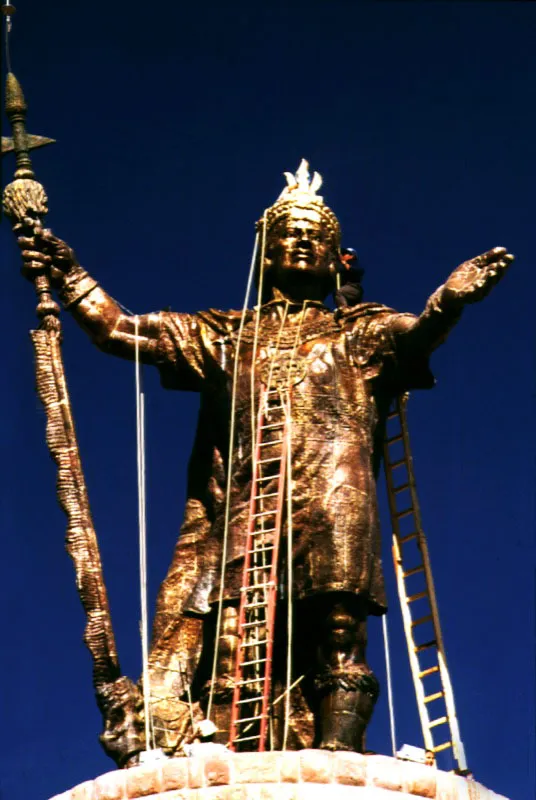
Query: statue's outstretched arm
{"points": [[96, 312], [469, 283]]}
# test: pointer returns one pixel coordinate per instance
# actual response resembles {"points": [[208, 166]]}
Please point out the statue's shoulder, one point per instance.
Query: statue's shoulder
{"points": [[375, 322], [366, 312], [223, 322]]}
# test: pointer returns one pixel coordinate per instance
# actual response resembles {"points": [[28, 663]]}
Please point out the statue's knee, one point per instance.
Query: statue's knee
{"points": [[344, 632], [341, 628]]}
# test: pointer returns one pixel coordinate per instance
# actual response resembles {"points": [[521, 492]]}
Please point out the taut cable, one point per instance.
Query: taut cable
{"points": [[140, 458], [229, 482]]}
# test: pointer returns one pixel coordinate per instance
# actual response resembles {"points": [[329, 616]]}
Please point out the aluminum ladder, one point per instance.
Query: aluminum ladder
{"points": [[256, 620], [433, 689]]}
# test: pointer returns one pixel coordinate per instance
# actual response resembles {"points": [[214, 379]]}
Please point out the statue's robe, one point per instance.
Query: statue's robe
{"points": [[343, 377]]}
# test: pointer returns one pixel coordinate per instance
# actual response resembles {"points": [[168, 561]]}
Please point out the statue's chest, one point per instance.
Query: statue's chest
{"points": [[320, 375]]}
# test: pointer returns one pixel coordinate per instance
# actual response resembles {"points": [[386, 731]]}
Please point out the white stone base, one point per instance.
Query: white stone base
{"points": [[303, 775]]}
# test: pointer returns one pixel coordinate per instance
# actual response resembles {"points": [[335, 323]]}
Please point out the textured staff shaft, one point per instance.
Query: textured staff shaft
{"points": [[81, 539], [25, 204]]}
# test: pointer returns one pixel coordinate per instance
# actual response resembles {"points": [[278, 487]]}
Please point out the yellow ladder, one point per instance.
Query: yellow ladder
{"points": [[433, 689]]}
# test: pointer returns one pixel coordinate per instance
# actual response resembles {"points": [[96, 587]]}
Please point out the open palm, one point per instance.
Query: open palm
{"points": [[474, 279]]}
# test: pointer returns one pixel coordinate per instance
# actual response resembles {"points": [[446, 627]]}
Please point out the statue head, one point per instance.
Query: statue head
{"points": [[302, 240]]}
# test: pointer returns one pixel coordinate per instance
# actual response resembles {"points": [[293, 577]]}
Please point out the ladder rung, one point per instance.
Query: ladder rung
{"points": [[425, 646], [263, 549], [256, 661], [255, 605], [397, 463], [247, 645], [431, 697], [246, 738], [258, 531], [401, 488], [253, 624], [269, 460], [405, 513], [269, 444], [417, 596], [441, 747], [272, 425], [429, 671], [439, 721], [257, 568], [264, 513], [414, 571], [393, 414], [249, 680], [397, 438], [421, 620], [251, 719], [265, 496], [407, 538], [250, 699], [264, 478], [258, 586]]}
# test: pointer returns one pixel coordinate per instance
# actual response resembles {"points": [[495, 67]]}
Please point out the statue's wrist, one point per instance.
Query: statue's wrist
{"points": [[444, 301], [76, 285]]}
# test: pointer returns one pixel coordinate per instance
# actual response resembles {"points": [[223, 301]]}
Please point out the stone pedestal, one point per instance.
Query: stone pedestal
{"points": [[303, 775]]}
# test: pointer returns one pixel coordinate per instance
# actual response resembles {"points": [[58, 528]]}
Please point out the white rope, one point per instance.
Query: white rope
{"points": [[276, 349], [290, 579], [229, 476], [140, 457], [255, 343], [389, 685], [290, 610], [289, 689]]}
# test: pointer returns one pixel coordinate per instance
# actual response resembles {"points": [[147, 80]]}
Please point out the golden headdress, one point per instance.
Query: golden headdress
{"points": [[301, 192]]}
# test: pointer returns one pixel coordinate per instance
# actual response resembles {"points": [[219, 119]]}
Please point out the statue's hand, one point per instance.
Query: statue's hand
{"points": [[121, 705], [474, 279], [39, 245]]}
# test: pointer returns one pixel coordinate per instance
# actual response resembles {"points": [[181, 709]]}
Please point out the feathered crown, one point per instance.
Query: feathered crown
{"points": [[301, 192]]}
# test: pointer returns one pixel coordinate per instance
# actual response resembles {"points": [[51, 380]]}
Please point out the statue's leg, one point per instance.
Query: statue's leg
{"points": [[345, 688]]}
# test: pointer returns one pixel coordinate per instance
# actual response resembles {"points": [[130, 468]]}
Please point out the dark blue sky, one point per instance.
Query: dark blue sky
{"points": [[173, 127]]}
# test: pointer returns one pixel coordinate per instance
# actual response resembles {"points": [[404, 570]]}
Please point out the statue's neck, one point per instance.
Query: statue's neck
{"points": [[298, 292]]}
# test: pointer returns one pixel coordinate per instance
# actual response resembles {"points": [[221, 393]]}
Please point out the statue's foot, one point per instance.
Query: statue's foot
{"points": [[333, 746], [342, 725], [345, 707]]}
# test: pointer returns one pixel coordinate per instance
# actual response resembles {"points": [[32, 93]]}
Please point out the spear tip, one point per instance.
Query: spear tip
{"points": [[15, 102]]}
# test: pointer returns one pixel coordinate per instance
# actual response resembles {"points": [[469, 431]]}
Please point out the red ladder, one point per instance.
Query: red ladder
{"points": [[250, 707]]}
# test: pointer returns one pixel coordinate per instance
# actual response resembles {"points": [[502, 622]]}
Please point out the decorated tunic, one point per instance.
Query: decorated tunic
{"points": [[341, 377]]}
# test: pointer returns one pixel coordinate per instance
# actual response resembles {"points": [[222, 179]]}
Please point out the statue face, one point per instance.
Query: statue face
{"points": [[301, 244]]}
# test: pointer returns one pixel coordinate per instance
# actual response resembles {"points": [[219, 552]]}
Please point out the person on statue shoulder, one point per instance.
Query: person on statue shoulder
{"points": [[349, 290], [341, 373]]}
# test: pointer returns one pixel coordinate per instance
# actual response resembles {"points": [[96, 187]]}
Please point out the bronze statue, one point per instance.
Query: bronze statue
{"points": [[340, 372]]}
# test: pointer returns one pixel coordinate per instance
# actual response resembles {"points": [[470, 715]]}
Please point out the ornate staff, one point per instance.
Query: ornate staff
{"points": [[25, 204]]}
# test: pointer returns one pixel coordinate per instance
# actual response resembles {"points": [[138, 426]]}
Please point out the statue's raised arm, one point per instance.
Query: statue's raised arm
{"points": [[469, 283], [98, 314], [174, 342]]}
